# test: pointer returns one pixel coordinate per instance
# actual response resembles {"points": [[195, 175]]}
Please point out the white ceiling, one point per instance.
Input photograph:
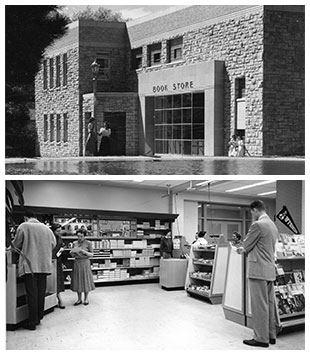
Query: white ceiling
{"points": [[215, 186]]}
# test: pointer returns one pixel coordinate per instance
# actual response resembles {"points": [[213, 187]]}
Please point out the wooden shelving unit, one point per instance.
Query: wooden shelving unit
{"points": [[206, 270]]}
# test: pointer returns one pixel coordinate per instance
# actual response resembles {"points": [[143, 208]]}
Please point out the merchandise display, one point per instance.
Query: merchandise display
{"points": [[207, 265], [124, 250]]}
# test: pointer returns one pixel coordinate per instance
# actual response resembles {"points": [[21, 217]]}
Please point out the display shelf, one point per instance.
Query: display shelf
{"points": [[289, 284], [206, 270], [16, 301]]}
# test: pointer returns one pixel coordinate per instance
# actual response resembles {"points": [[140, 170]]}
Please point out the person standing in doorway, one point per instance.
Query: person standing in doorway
{"points": [[57, 254], [91, 140], [232, 150], [82, 276], [259, 246], [36, 241], [240, 147], [166, 246], [105, 144]]}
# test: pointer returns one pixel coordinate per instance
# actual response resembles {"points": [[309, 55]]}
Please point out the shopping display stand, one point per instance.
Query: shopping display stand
{"points": [[207, 265], [16, 301], [172, 273], [234, 297], [289, 284]]}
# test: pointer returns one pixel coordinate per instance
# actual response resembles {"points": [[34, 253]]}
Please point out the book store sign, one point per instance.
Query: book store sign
{"points": [[184, 85]]}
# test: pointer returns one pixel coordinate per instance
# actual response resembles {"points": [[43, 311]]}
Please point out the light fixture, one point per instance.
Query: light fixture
{"points": [[95, 69], [267, 193], [250, 186], [204, 183], [138, 180]]}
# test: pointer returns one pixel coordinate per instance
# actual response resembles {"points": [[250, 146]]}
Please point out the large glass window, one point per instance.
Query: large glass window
{"points": [[179, 124]]}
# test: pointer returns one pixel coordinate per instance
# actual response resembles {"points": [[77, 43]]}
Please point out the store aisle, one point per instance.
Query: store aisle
{"points": [[140, 317]]}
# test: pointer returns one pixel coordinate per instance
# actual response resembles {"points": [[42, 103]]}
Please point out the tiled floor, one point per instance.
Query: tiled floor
{"points": [[140, 317]]}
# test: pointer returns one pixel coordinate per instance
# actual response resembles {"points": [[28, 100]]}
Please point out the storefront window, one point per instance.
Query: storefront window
{"points": [[179, 124]]}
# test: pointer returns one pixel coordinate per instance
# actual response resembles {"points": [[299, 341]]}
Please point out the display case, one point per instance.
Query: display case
{"points": [[16, 301], [173, 273], [206, 270], [289, 284]]}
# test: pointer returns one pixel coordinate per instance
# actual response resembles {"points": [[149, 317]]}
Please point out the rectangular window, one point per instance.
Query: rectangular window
{"points": [[136, 58], [51, 73], [45, 128], [179, 124], [175, 49], [103, 59], [65, 125], [45, 74], [52, 128], [154, 54], [64, 69], [58, 71], [58, 128]]}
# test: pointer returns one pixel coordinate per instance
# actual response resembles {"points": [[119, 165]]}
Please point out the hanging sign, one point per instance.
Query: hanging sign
{"points": [[285, 217]]}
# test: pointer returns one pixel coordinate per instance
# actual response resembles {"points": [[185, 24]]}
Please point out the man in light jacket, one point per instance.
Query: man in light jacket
{"points": [[36, 241], [259, 246]]}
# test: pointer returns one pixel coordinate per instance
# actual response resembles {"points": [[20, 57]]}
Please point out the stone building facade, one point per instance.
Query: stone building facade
{"points": [[180, 83]]}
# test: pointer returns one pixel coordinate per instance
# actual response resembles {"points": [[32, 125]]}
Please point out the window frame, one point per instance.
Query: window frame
{"points": [[174, 45], [104, 71], [51, 66], [58, 71], [64, 69]]}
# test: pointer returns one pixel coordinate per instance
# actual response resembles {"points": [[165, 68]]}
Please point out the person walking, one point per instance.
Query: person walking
{"points": [[57, 254], [82, 276], [166, 246], [91, 140], [36, 241], [259, 246]]}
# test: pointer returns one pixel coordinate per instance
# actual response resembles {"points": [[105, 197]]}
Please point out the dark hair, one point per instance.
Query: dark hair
{"points": [[201, 234], [92, 119], [107, 124], [29, 214], [82, 231], [55, 226], [258, 204]]}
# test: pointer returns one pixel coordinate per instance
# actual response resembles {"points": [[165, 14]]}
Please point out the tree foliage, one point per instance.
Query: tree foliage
{"points": [[29, 30], [101, 14]]}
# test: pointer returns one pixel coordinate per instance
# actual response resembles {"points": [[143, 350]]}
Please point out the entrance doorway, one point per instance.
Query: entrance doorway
{"points": [[117, 121]]}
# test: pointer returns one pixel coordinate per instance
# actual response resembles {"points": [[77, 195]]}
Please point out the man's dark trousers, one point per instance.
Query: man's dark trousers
{"points": [[35, 286]]}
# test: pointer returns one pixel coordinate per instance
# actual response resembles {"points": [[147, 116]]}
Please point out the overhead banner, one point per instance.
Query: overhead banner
{"points": [[285, 217]]}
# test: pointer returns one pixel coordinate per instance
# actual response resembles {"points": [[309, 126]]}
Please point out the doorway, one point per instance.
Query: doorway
{"points": [[117, 121]]}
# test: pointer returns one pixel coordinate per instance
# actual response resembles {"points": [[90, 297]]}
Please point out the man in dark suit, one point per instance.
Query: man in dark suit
{"points": [[259, 246]]}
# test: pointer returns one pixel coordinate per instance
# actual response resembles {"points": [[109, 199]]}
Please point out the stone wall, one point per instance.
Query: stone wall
{"points": [[122, 102], [284, 83], [60, 100], [238, 41]]}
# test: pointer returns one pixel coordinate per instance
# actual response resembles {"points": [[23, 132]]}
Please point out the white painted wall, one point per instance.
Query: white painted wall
{"points": [[69, 194]]}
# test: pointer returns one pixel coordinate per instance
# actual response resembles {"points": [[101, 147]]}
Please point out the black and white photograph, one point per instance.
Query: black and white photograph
{"points": [[182, 90], [155, 177]]}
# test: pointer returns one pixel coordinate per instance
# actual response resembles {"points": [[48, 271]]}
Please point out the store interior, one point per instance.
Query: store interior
{"points": [[144, 302]]}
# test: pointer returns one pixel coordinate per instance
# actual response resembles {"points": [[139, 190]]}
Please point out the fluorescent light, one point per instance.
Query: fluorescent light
{"points": [[138, 180], [267, 193], [252, 185], [204, 183]]}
